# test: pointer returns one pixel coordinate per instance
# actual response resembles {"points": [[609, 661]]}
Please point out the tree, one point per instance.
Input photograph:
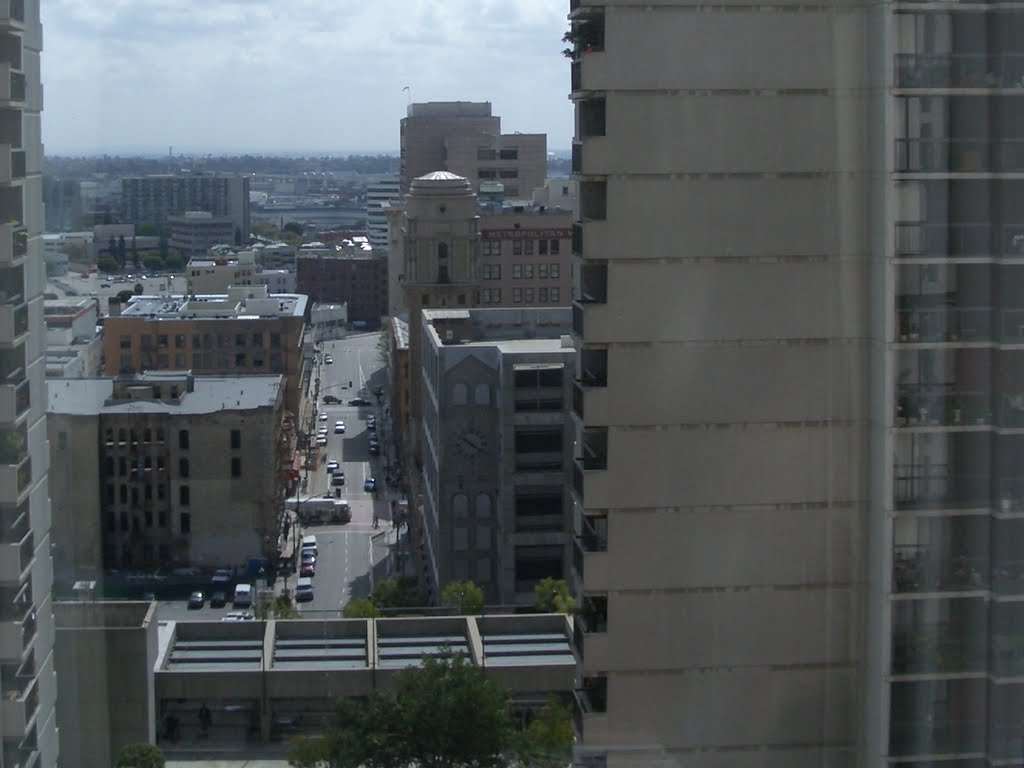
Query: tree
{"points": [[465, 596], [164, 248], [361, 608], [106, 264], [445, 713], [548, 739], [140, 756], [384, 342], [174, 262], [553, 596], [112, 250], [122, 251], [294, 227], [152, 262], [139, 288], [400, 592], [125, 296], [73, 250], [238, 235], [135, 254], [283, 608], [147, 230]]}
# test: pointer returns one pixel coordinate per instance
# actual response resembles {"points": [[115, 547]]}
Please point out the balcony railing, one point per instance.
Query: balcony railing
{"points": [[959, 155], [938, 649], [936, 737], [924, 406], [921, 239], [959, 70], [924, 570], [933, 487], [577, 238], [945, 324]]}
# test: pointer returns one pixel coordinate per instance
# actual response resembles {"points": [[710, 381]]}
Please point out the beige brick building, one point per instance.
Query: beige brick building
{"points": [[525, 258]]}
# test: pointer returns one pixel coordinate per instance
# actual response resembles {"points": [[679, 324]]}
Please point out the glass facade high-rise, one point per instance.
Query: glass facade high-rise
{"points": [[27, 677]]}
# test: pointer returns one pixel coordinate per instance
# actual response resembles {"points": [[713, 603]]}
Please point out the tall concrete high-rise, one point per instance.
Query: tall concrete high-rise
{"points": [[28, 684], [380, 191], [801, 395], [722, 400]]}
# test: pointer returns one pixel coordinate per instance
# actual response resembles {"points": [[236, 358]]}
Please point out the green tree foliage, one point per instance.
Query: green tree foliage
{"points": [[445, 714], [283, 608], [139, 288], [164, 247], [74, 251], [465, 596], [106, 264], [361, 608], [122, 251], [400, 592], [135, 254], [174, 262], [112, 251], [124, 296], [152, 262], [294, 227], [147, 230], [548, 740], [140, 756], [553, 596]]}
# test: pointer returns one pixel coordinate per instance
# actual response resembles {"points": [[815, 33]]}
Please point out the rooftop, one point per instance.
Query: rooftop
{"points": [[240, 301], [210, 394]]}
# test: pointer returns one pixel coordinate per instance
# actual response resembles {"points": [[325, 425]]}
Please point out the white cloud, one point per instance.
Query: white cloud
{"points": [[304, 74]]}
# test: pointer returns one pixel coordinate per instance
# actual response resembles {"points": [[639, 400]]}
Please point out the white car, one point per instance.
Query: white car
{"points": [[331, 466], [323, 416], [237, 616], [339, 427], [328, 359], [321, 441], [322, 432]]}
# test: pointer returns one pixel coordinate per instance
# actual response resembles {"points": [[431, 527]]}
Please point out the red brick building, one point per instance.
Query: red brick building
{"points": [[358, 279]]}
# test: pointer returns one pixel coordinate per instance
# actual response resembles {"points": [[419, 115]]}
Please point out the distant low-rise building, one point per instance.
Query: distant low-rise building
{"points": [[195, 232], [163, 470], [351, 273], [216, 272], [152, 199], [244, 331], [379, 193], [328, 321], [277, 280], [496, 447], [73, 346]]}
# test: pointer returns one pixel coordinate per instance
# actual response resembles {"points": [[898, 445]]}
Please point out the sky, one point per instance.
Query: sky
{"points": [[325, 76]]}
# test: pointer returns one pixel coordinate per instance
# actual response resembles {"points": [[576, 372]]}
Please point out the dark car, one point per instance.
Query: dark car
{"points": [[332, 400], [374, 448], [218, 600], [196, 600], [337, 479], [378, 391], [359, 401], [308, 568], [370, 485]]}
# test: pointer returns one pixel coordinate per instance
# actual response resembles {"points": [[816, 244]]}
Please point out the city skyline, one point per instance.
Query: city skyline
{"points": [[214, 68]]}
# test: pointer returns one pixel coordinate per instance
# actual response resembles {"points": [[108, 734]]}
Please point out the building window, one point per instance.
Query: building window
{"points": [[482, 394], [239, 339], [257, 339], [126, 342], [161, 518], [555, 271], [179, 361], [517, 295], [179, 341], [528, 271], [555, 247], [236, 467], [197, 360], [517, 247], [496, 295], [196, 341], [183, 440], [528, 296], [184, 496], [275, 340], [556, 295], [149, 518], [517, 271], [161, 491], [509, 154], [183, 468], [161, 362], [185, 522], [161, 341], [485, 271], [542, 247], [542, 295], [542, 271], [122, 494], [496, 272], [240, 360], [528, 247], [508, 173], [486, 296], [236, 439], [460, 393]]}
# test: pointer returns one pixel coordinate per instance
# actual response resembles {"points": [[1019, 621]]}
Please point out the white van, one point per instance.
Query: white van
{"points": [[243, 596], [309, 543], [304, 590]]}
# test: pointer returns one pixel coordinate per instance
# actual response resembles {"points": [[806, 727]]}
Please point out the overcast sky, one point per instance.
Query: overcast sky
{"points": [[292, 75]]}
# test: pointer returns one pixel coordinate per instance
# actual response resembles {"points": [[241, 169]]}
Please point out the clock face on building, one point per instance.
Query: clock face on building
{"points": [[470, 443]]}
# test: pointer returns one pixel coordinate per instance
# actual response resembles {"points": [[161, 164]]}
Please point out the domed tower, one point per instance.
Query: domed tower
{"points": [[441, 242]]}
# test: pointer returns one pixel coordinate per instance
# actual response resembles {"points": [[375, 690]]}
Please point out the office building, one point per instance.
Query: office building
{"points": [[381, 191], [73, 344], [246, 331], [724, 410], [220, 270], [28, 684], [525, 257], [196, 232], [496, 443], [62, 200], [350, 273], [151, 199], [164, 470], [465, 138]]}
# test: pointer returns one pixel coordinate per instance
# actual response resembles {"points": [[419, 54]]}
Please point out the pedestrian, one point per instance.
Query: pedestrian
{"points": [[205, 719]]}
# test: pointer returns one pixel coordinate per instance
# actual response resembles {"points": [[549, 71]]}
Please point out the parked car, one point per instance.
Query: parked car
{"points": [[243, 596], [337, 479], [237, 616], [321, 441], [196, 600], [332, 466], [308, 568], [370, 485], [303, 589], [322, 416], [359, 401], [328, 359], [332, 400], [374, 448], [218, 599], [339, 427]]}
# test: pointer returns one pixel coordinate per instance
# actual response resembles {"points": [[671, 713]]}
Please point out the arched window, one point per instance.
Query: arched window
{"points": [[460, 505], [442, 262], [482, 394], [483, 505], [460, 393]]}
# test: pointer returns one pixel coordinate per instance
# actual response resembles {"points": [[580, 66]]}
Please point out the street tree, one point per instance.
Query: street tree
{"points": [[139, 288], [122, 251], [174, 262], [153, 262], [465, 596], [549, 737], [444, 714], [112, 250], [361, 608], [384, 342], [400, 592], [553, 596], [125, 296], [106, 264]]}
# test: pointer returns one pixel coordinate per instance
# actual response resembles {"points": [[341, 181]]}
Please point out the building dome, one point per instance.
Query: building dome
{"points": [[441, 183]]}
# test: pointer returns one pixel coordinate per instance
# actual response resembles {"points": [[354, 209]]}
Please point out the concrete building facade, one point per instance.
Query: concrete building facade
{"points": [[164, 470], [151, 199], [217, 274], [722, 476], [496, 441], [346, 274], [380, 191], [525, 257], [28, 683], [195, 232], [246, 331], [464, 138]]}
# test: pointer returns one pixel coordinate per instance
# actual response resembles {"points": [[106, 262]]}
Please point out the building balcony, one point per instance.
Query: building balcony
{"points": [[13, 245], [958, 71], [15, 400], [13, 320], [590, 560], [16, 634], [16, 558], [934, 487], [590, 237], [12, 164], [947, 324], [942, 406], [968, 240], [12, 14], [15, 480], [959, 156], [592, 400], [17, 709], [12, 86], [930, 652], [589, 715], [936, 737], [588, 72]]}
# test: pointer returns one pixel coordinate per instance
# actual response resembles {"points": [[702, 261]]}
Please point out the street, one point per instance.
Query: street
{"points": [[345, 551]]}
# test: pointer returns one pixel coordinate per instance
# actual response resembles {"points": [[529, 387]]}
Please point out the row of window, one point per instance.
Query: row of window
{"points": [[199, 341], [486, 153], [544, 296], [544, 271], [522, 247], [138, 468], [202, 361], [130, 435], [128, 559], [498, 173]]}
